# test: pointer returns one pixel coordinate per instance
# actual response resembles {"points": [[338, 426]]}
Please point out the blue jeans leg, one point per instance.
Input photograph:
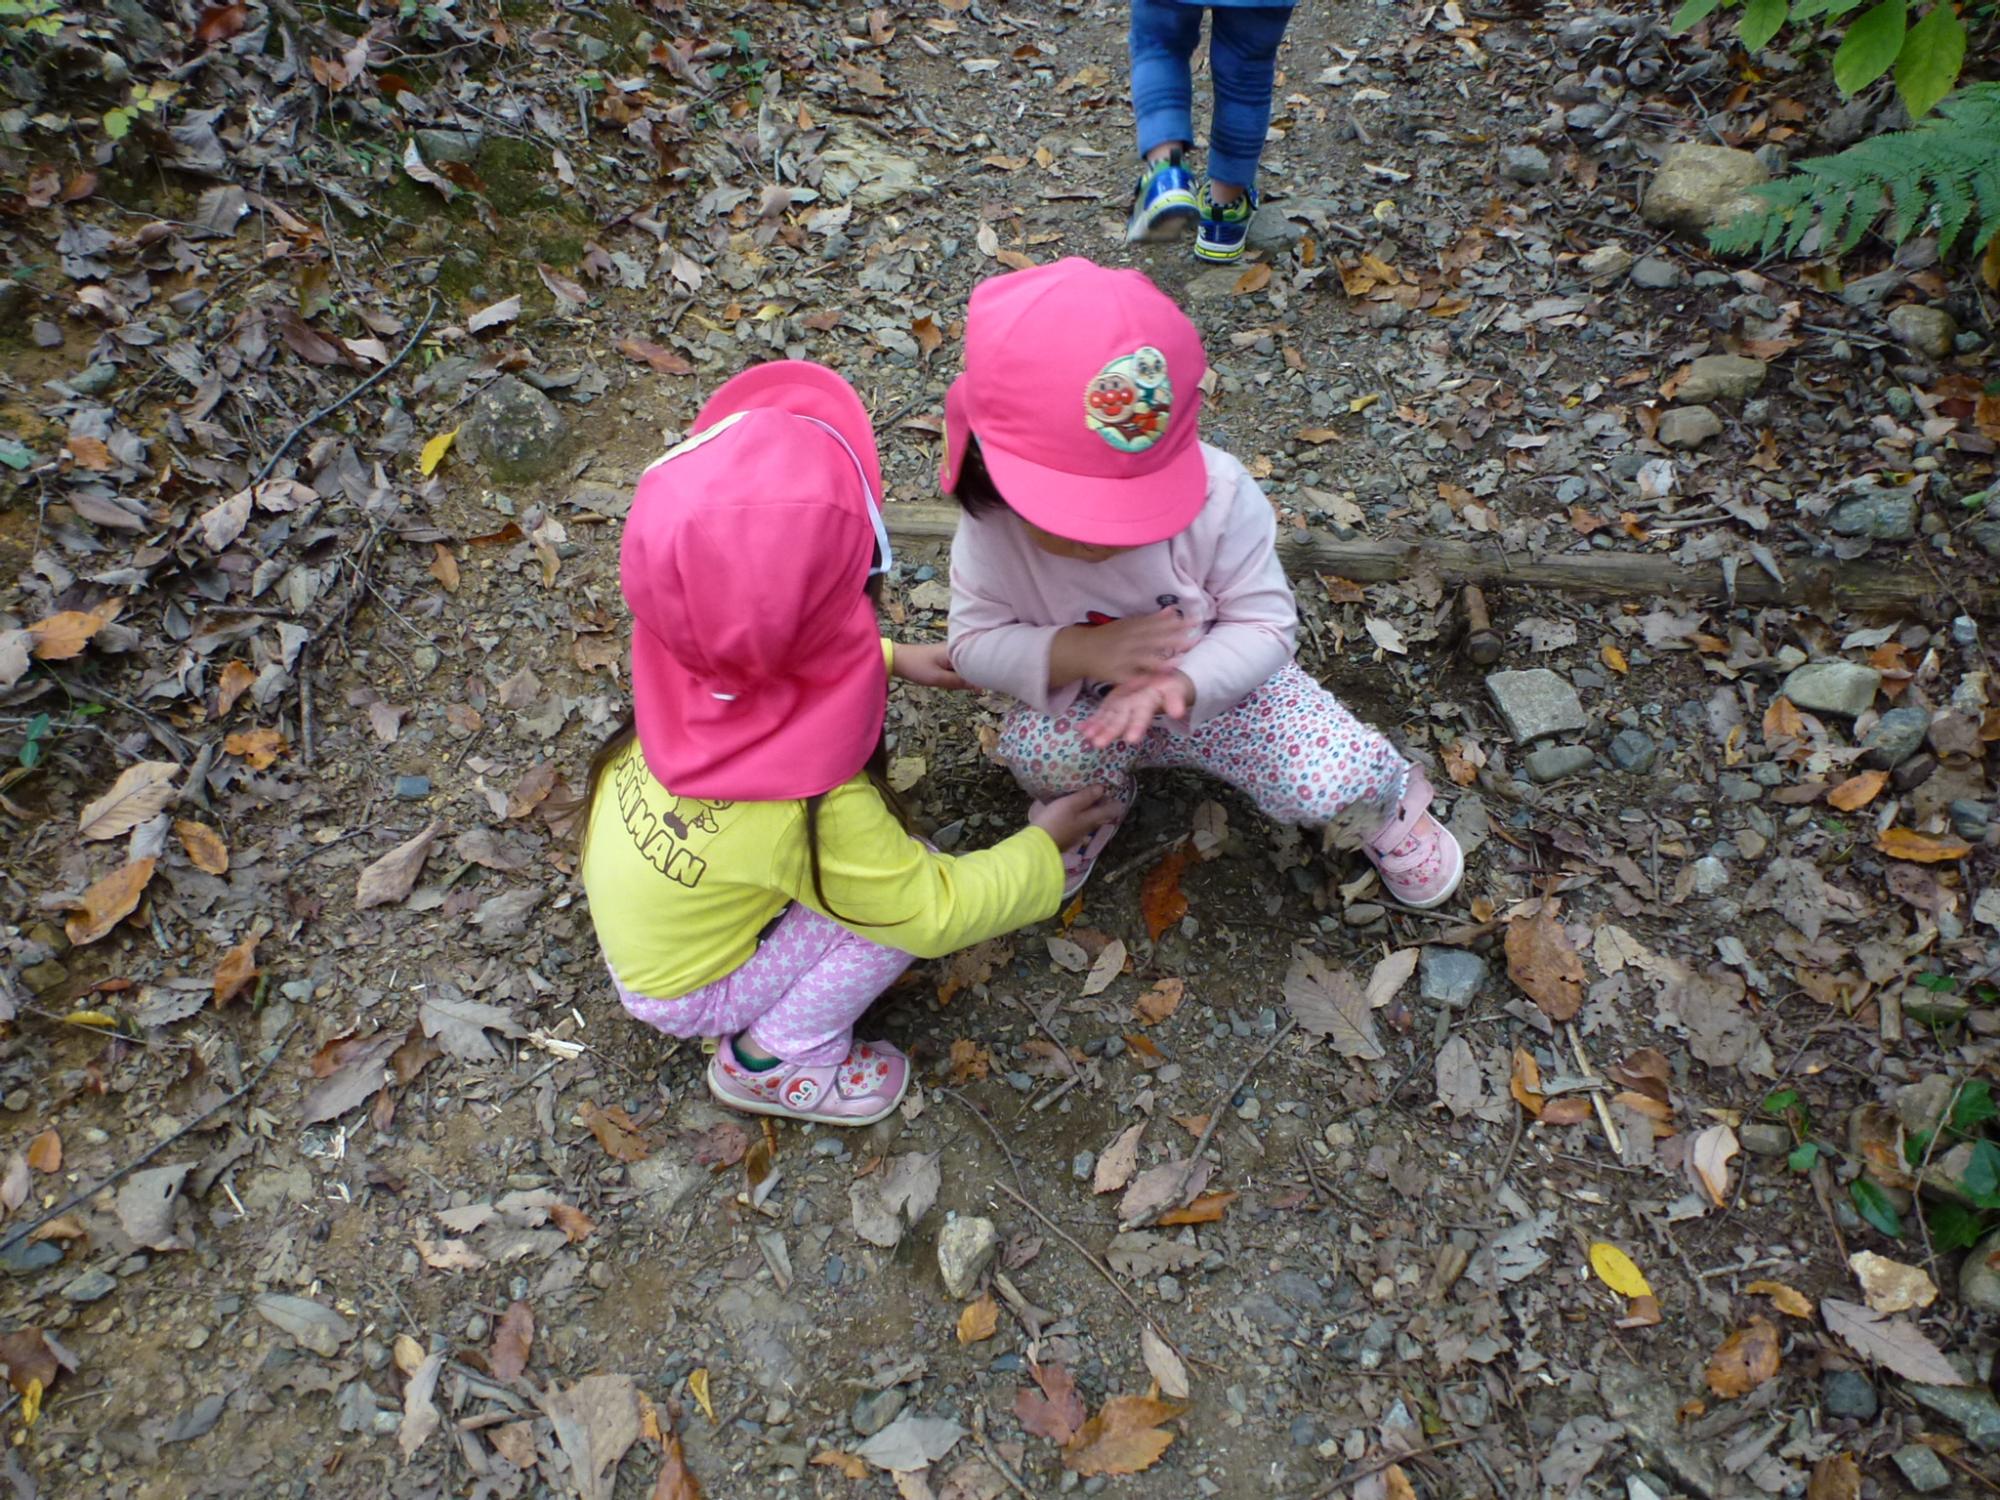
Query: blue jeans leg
{"points": [[1243, 56], [1163, 37]]}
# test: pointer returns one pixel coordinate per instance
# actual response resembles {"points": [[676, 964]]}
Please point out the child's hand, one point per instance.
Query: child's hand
{"points": [[1072, 819], [1135, 647], [1128, 710], [928, 665]]}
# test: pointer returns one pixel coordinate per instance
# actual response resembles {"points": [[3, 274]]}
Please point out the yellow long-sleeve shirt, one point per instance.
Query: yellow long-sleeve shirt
{"points": [[680, 888]]}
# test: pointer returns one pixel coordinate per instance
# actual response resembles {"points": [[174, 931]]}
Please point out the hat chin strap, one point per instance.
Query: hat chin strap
{"points": [[886, 559]]}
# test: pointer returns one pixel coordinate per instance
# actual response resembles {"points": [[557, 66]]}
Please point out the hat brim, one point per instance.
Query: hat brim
{"points": [[1103, 512], [805, 389], [793, 737]]}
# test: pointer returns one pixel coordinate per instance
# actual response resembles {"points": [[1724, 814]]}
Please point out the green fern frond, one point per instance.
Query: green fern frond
{"points": [[1943, 174]]}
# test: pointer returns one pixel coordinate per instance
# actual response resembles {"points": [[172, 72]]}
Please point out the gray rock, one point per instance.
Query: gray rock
{"points": [[1924, 1470], [861, 167], [965, 1249], [15, 301], [1689, 427], [1721, 377], [1525, 164], [1849, 1393], [877, 1410], [1553, 762], [1271, 228], [1697, 186], [1657, 275], [1971, 1407], [1928, 330], [1765, 1138], [1606, 260], [1869, 292], [515, 431], [1633, 750], [313, 1324], [1970, 819], [94, 379], [1362, 914], [92, 1286], [664, 1180], [1215, 282], [1978, 1278], [1536, 703], [450, 145], [1897, 736], [1710, 875], [1885, 516], [1450, 976], [1832, 687], [1987, 535]]}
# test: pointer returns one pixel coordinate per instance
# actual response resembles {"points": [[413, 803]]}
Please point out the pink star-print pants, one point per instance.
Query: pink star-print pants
{"points": [[1290, 746], [798, 996]]}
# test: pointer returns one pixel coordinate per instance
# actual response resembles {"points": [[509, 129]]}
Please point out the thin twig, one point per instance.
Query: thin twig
{"points": [[332, 407], [1096, 1264], [1144, 859], [1215, 1114], [1356, 1475], [84, 1195], [992, 1457], [1013, 1163]]}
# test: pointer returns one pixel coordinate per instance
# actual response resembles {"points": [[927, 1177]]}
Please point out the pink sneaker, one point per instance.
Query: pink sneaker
{"points": [[1419, 861], [1078, 862], [863, 1088]]}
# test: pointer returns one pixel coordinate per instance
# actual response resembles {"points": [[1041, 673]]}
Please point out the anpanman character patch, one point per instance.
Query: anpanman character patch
{"points": [[1130, 401]]}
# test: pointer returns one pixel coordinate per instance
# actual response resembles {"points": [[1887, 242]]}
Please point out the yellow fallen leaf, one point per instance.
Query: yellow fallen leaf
{"points": [[90, 1018], [1362, 403], [852, 1465], [31, 1402], [979, 1321], [1615, 1269], [1920, 848], [1857, 791], [1613, 658], [1788, 1300], [434, 452], [698, 1388]]}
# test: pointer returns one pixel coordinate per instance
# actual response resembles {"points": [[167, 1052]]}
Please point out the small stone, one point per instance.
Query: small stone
{"points": [[1250, 1109], [1897, 736], [1524, 164], [1924, 1470], [965, 1249], [1849, 1393], [1969, 819], [1885, 516], [1721, 377], [94, 379], [1974, 1410], [92, 1286], [1271, 228], [1689, 427], [1697, 186], [1979, 1279], [1913, 773], [1450, 976], [1987, 535], [1553, 762], [1606, 260], [1832, 687], [449, 145], [876, 1410], [45, 976], [1363, 914], [413, 788], [515, 431], [1710, 875], [1765, 1138], [1928, 330], [1536, 703], [1955, 734], [1633, 750], [1657, 275]]}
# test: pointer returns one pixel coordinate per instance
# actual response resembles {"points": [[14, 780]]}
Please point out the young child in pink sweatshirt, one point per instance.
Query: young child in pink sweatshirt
{"points": [[1119, 578]]}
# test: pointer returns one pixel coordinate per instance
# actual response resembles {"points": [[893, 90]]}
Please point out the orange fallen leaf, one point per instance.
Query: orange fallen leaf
{"points": [[1255, 279], [109, 902], [1526, 1083], [205, 849], [62, 636], [232, 683], [576, 1225], [444, 568], [969, 1061], [45, 1152], [1857, 791], [1783, 721], [1640, 1312], [1160, 900], [616, 1131], [1837, 1476], [1921, 848], [1788, 1300], [259, 748], [1571, 1110], [849, 1464], [980, 1320], [237, 969], [1544, 963], [1744, 1360], [1161, 1001], [1207, 1209], [1613, 658], [1123, 1438]]}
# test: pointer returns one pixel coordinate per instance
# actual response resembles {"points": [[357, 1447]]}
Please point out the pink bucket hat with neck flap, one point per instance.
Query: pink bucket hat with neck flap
{"points": [[757, 669], [1083, 385]]}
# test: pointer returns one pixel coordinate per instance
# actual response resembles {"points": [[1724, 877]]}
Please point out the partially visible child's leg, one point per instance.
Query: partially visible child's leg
{"points": [[1163, 37], [1304, 759], [1243, 59], [1049, 757]]}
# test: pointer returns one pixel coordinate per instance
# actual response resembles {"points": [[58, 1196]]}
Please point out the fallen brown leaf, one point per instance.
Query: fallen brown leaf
{"points": [[849, 1464], [1526, 1083], [237, 969], [1744, 1360], [259, 748], [232, 682], [1789, 1301], [513, 1338], [205, 849], [1835, 1477], [616, 1132], [109, 902], [1123, 1438], [45, 1152], [1160, 900], [140, 791], [1857, 791], [1544, 963], [1207, 1209], [1161, 1001], [979, 1321], [1055, 1412], [1921, 848]]}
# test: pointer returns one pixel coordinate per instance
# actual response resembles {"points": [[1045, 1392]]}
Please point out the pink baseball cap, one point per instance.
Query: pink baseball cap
{"points": [[1083, 385], [757, 670]]}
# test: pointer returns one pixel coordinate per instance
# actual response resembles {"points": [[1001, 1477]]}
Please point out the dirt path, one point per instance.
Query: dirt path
{"points": [[1391, 1258]]}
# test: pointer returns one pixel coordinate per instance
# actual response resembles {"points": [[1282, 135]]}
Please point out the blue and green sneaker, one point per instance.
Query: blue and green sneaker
{"points": [[1222, 232], [1162, 204]]}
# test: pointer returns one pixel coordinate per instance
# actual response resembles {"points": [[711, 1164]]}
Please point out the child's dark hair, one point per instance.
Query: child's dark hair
{"points": [[977, 494], [876, 769]]}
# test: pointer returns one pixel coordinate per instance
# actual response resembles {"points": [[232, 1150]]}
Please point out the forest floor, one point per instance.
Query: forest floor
{"points": [[1294, 1193]]}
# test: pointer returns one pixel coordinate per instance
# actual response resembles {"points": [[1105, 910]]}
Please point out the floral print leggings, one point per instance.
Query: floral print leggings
{"points": [[1290, 746], [798, 996]]}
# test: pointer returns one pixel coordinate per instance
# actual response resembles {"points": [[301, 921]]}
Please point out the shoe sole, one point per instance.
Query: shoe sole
{"points": [[1450, 886], [1221, 255], [779, 1111], [1169, 219]]}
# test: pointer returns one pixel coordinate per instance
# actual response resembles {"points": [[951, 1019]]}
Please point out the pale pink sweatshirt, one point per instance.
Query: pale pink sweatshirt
{"points": [[1009, 598]]}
